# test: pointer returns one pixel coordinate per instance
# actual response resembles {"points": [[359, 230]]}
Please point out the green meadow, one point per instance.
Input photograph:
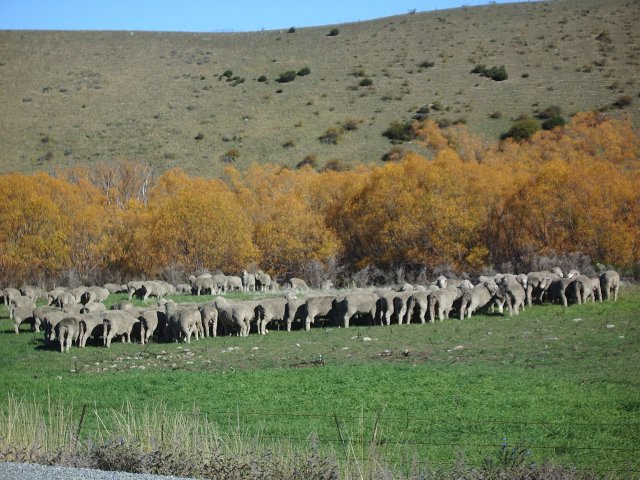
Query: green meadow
{"points": [[553, 385]]}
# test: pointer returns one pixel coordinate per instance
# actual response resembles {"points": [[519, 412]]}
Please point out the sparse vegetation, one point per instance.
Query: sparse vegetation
{"points": [[394, 155], [623, 101], [400, 132], [365, 82], [304, 71], [230, 155], [310, 160], [286, 77], [522, 129], [333, 32], [331, 136], [407, 70], [495, 73]]}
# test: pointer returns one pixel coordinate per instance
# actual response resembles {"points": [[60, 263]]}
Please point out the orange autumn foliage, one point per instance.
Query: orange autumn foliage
{"points": [[471, 206]]}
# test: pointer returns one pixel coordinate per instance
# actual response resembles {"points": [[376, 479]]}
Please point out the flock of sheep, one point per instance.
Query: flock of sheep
{"points": [[74, 315]]}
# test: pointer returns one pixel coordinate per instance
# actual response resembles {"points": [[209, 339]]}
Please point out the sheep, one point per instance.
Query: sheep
{"points": [[182, 321], [348, 305], [269, 309], [236, 316], [118, 322], [68, 331], [23, 314], [315, 307], [209, 318], [610, 282]]}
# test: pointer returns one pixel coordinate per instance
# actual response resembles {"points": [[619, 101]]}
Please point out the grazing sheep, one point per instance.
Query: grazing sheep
{"points": [[209, 318], [295, 310], [355, 303], [269, 309], [151, 320], [68, 330], [248, 281], [610, 282], [557, 291], [23, 314], [20, 302], [583, 289], [297, 284], [235, 316], [234, 283], [513, 289], [316, 307], [118, 322], [418, 303], [443, 299], [479, 296], [50, 320], [90, 324], [182, 321], [263, 281], [94, 294], [401, 306]]}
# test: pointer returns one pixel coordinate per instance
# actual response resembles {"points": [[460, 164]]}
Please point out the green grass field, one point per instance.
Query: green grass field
{"points": [[562, 384]]}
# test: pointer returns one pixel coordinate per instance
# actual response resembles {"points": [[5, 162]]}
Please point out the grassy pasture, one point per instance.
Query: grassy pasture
{"points": [[561, 383]]}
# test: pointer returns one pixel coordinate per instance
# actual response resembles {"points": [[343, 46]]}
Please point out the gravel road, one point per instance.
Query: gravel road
{"points": [[31, 471]]}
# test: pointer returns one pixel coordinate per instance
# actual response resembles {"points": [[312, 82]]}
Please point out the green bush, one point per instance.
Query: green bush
{"points": [[426, 64], [549, 112], [495, 73], [553, 122], [286, 77], [400, 131], [304, 71], [522, 130], [333, 32], [291, 30], [262, 78], [332, 136], [365, 82]]}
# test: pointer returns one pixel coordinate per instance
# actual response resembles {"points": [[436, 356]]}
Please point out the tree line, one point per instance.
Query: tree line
{"points": [[461, 205]]}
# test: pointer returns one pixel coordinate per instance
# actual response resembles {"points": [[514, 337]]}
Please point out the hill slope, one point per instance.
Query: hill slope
{"points": [[163, 98]]}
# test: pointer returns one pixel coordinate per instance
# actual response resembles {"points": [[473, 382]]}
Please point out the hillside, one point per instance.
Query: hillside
{"points": [[163, 98]]}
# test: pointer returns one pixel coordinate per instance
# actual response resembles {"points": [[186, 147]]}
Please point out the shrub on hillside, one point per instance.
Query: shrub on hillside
{"points": [[422, 113], [286, 77], [291, 30], [333, 32], [522, 130], [623, 101], [310, 160], [400, 132], [262, 78], [365, 82], [304, 71], [553, 122], [332, 136], [230, 156], [495, 73], [394, 155], [335, 165], [426, 64]]}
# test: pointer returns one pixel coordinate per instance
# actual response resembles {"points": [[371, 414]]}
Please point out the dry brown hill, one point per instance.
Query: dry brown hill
{"points": [[192, 99]]}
